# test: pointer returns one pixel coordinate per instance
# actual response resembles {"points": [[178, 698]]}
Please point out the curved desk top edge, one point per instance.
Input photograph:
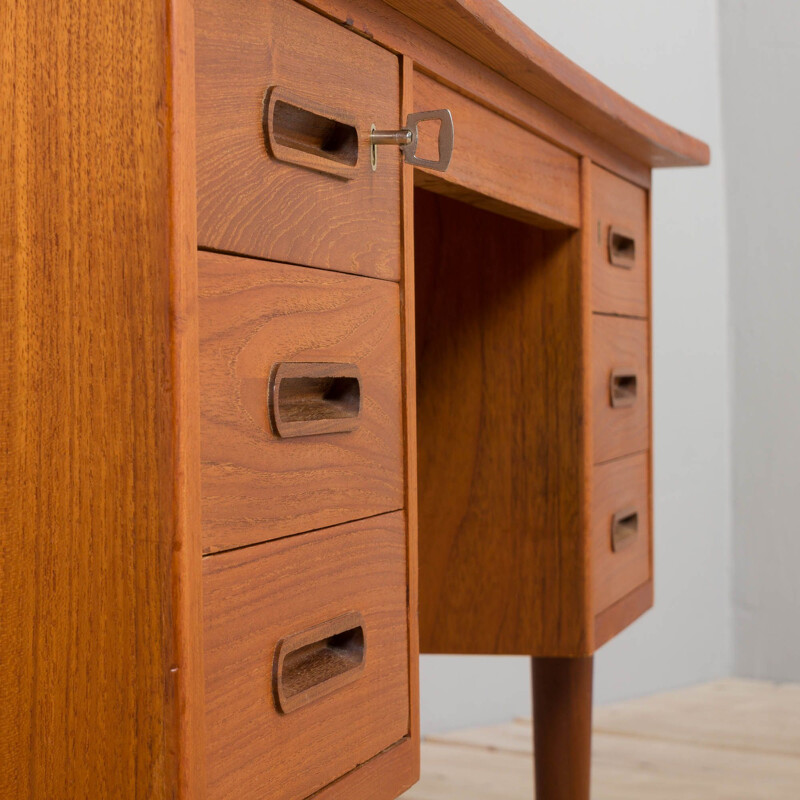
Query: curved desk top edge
{"points": [[489, 32]]}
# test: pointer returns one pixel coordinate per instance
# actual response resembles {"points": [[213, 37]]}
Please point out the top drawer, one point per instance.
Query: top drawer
{"points": [[285, 102], [620, 249]]}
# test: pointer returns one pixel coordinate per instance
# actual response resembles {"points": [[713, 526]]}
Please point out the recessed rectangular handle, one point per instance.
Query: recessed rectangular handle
{"points": [[312, 398], [318, 661], [623, 387], [624, 529], [299, 131], [621, 248]]}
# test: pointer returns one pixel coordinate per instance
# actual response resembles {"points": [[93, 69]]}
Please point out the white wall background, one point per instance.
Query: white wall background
{"points": [[662, 55], [760, 59]]}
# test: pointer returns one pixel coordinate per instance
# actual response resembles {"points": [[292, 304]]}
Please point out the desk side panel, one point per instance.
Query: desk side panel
{"points": [[86, 693]]}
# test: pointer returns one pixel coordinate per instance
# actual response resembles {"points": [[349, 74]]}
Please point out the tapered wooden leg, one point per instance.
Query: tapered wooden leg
{"points": [[562, 727]]}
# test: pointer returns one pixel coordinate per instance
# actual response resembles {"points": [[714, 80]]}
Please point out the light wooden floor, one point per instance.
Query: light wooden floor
{"points": [[730, 740]]}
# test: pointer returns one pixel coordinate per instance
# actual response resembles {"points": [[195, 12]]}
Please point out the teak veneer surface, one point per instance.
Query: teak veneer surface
{"points": [[500, 386], [253, 204], [562, 712], [620, 343], [189, 702], [526, 177], [619, 485], [616, 618], [256, 596], [380, 778], [409, 342], [88, 670], [253, 315], [101, 680], [619, 204]]}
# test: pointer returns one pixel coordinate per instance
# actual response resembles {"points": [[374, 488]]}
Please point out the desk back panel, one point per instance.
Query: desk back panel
{"points": [[500, 412]]}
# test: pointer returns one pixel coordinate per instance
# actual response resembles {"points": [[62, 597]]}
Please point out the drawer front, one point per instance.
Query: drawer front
{"points": [[306, 658], [620, 273], [285, 102], [620, 529], [300, 399], [621, 387], [502, 176]]}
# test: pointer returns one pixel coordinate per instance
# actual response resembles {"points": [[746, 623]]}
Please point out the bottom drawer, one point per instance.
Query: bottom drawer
{"points": [[620, 529], [306, 647]]}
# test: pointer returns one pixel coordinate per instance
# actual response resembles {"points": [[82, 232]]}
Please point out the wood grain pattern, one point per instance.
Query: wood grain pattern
{"points": [[408, 308], [620, 484], [587, 345], [317, 661], [307, 398], [87, 696], [254, 597], [619, 343], [383, 777], [512, 171], [625, 200], [562, 727], [253, 314], [252, 204], [301, 131], [616, 618], [500, 414], [493, 35], [101, 673], [618, 203], [439, 59], [186, 572]]}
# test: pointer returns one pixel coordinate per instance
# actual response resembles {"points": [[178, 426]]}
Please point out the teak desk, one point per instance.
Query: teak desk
{"points": [[263, 377]]}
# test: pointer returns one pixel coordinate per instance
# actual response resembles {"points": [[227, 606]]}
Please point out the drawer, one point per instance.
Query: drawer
{"points": [[620, 529], [285, 102], [306, 658], [621, 386], [620, 255], [300, 399], [502, 177]]}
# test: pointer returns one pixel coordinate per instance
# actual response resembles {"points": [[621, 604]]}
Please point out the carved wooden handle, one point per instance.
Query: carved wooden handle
{"points": [[621, 248], [316, 662], [299, 131], [312, 398], [624, 529], [623, 387]]}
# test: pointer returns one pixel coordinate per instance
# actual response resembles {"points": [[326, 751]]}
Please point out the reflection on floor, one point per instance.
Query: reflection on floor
{"points": [[729, 740]]}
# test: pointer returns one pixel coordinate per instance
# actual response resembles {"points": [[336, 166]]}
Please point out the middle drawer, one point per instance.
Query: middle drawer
{"points": [[621, 387], [300, 399]]}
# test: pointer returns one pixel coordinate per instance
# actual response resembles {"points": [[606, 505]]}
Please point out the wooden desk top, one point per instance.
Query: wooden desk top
{"points": [[490, 33]]}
